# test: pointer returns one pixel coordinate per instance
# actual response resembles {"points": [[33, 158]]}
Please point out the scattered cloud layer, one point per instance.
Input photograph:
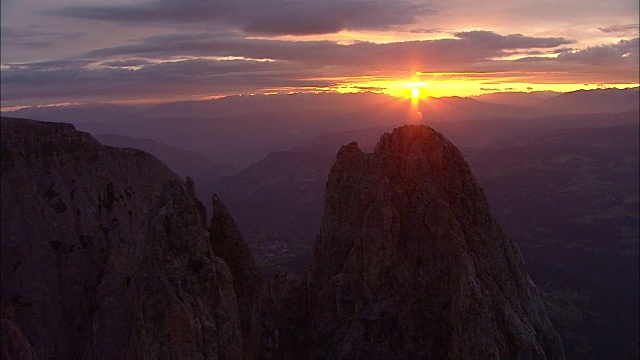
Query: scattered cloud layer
{"points": [[32, 38], [629, 29], [220, 65], [273, 17], [199, 47]]}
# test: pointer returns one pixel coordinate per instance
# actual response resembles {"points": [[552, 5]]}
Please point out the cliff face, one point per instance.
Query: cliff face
{"points": [[14, 345], [105, 253], [410, 263], [228, 243]]}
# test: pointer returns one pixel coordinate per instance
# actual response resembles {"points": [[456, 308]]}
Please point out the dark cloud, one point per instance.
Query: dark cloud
{"points": [[513, 41], [188, 77], [26, 38], [560, 50], [127, 63], [612, 63], [427, 31], [74, 71], [274, 17], [51, 65], [369, 88], [199, 63], [625, 51], [623, 29], [439, 55]]}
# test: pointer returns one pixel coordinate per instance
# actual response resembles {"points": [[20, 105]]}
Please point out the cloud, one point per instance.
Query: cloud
{"points": [[28, 39], [274, 17], [435, 55], [427, 31], [513, 41], [198, 63], [609, 63], [561, 50], [621, 53], [127, 63], [629, 29], [51, 65], [75, 80]]}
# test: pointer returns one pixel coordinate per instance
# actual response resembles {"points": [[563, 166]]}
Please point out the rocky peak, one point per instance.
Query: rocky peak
{"points": [[14, 345], [410, 262], [35, 134], [228, 244], [106, 254]]}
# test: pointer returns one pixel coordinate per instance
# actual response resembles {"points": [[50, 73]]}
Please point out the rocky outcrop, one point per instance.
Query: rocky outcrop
{"points": [[14, 346], [411, 264], [106, 254], [228, 243], [286, 316], [183, 296]]}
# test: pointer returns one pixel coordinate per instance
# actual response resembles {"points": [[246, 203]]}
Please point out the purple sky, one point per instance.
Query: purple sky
{"points": [[72, 51]]}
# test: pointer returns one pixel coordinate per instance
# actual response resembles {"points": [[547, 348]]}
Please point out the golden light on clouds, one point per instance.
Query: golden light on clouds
{"points": [[408, 49], [454, 84]]}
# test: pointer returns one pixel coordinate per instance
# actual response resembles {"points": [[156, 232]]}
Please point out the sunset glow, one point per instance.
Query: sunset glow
{"points": [[147, 51], [460, 87]]}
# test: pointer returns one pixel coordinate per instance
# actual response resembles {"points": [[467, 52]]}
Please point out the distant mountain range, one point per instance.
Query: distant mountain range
{"points": [[560, 172], [184, 163], [217, 129], [593, 101], [516, 98], [575, 102]]}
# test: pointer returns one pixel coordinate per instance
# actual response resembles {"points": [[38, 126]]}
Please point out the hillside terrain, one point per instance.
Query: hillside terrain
{"points": [[218, 129], [411, 263], [566, 194], [106, 253], [561, 182]]}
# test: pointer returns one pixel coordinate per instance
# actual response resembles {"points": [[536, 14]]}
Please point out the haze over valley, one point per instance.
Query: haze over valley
{"points": [[335, 179], [563, 184]]}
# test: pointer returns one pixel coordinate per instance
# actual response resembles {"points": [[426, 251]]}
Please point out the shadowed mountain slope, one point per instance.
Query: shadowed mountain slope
{"points": [[410, 262], [106, 254]]}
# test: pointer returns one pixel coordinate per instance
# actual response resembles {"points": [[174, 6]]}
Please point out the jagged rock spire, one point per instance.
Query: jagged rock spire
{"points": [[410, 263]]}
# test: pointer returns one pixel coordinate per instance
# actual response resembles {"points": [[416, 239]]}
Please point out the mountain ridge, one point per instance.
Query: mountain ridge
{"points": [[120, 228], [407, 242], [106, 253]]}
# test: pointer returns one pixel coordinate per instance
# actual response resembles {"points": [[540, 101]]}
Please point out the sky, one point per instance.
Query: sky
{"points": [[141, 51]]}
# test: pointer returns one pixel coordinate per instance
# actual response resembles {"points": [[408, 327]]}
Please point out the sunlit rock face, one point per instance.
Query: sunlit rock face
{"points": [[411, 264], [106, 254]]}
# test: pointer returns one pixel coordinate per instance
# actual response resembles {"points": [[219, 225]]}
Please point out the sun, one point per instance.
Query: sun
{"points": [[415, 93], [416, 89]]}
